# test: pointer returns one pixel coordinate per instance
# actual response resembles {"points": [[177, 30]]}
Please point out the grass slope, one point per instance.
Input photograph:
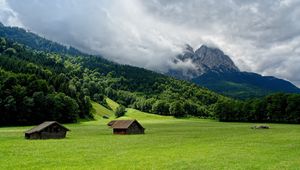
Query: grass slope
{"points": [[168, 144], [112, 104], [136, 114], [99, 111]]}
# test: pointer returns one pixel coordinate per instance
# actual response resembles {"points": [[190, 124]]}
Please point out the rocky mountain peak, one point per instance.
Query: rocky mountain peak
{"points": [[188, 53], [214, 59], [188, 48], [205, 59]]}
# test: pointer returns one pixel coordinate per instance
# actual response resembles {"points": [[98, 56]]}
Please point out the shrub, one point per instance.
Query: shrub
{"points": [[120, 111]]}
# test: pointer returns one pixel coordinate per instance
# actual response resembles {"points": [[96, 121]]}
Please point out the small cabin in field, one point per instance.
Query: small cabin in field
{"points": [[47, 130], [124, 127]]}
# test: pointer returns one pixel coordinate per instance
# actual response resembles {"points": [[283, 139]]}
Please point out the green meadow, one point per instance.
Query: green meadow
{"points": [[169, 143]]}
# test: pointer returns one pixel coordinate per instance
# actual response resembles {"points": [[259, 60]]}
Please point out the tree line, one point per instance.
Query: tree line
{"points": [[279, 107]]}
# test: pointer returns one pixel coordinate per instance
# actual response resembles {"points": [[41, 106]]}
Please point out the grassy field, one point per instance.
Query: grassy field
{"points": [[168, 144]]}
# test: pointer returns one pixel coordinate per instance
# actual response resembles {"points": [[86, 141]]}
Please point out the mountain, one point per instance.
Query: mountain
{"points": [[211, 68], [204, 60], [51, 84]]}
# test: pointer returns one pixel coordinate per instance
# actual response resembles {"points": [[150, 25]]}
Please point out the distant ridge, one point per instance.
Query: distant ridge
{"points": [[34, 41], [216, 71]]}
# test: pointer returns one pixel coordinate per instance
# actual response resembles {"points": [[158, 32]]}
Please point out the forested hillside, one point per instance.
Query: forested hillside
{"points": [[34, 87], [39, 83], [37, 86]]}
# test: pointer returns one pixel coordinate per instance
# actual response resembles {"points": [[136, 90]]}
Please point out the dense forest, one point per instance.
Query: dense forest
{"points": [[34, 88], [279, 107], [39, 83]]}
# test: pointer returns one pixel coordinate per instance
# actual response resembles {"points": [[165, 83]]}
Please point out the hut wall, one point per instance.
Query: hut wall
{"points": [[53, 132], [120, 131], [33, 136], [53, 135], [135, 129]]}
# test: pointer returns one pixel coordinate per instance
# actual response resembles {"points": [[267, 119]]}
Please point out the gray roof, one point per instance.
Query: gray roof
{"points": [[124, 124], [43, 126]]}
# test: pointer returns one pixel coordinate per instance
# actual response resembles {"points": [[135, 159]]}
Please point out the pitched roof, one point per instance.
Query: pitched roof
{"points": [[111, 122], [43, 126], [124, 124]]}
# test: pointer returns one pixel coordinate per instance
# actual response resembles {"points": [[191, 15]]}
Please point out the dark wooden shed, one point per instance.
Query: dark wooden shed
{"points": [[47, 130], [124, 127]]}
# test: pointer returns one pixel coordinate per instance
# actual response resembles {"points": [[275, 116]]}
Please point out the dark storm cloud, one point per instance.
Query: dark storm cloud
{"points": [[261, 35]]}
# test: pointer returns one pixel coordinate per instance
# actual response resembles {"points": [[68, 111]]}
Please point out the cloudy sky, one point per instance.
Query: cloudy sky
{"points": [[261, 36]]}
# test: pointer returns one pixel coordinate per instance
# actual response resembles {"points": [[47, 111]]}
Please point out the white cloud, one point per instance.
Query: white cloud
{"points": [[261, 35], [8, 16]]}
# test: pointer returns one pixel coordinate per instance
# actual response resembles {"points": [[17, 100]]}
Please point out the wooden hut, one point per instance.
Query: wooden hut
{"points": [[47, 130], [127, 127]]}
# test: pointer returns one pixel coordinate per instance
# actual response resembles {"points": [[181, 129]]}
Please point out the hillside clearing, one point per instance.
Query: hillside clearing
{"points": [[112, 104]]}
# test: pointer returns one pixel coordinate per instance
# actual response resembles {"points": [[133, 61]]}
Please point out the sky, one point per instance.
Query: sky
{"points": [[260, 36]]}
